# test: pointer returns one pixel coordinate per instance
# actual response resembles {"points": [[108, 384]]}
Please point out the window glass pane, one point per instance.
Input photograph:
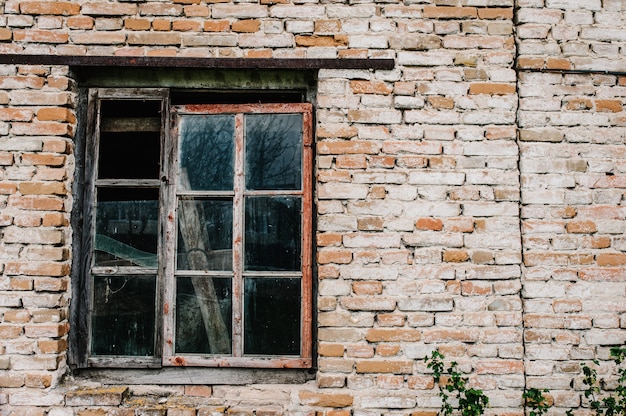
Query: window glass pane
{"points": [[206, 154], [123, 318], [272, 316], [130, 139], [273, 233], [205, 234], [203, 315], [126, 227], [274, 151]]}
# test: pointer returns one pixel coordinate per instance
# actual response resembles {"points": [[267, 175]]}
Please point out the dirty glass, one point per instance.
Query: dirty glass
{"points": [[129, 125], [272, 316], [123, 318], [205, 234], [206, 152], [273, 233], [203, 315], [126, 227], [274, 152]]}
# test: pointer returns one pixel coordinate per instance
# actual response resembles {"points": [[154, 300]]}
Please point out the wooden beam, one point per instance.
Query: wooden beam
{"points": [[187, 62]]}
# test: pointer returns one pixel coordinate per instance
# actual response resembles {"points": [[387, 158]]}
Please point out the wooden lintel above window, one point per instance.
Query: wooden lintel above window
{"points": [[187, 62]]}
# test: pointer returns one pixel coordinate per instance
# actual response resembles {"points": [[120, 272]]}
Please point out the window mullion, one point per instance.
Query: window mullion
{"points": [[238, 235], [168, 281]]}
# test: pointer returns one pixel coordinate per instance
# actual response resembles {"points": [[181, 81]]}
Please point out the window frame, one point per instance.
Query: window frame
{"points": [[164, 355]]}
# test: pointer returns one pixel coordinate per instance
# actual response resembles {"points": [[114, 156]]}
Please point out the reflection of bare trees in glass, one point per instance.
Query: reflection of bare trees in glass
{"points": [[273, 151], [207, 151]]}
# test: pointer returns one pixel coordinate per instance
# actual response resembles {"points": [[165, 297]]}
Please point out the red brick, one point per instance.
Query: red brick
{"points": [[351, 162], [51, 8], [38, 380], [37, 269], [495, 13], [499, 367], [444, 12], [6, 159], [52, 346], [455, 256], [80, 22], [186, 26], [37, 203], [246, 26], [40, 36], [137, 24], [42, 188], [348, 147], [325, 399], [611, 259], [5, 34], [11, 380], [329, 239], [393, 335], [331, 350], [387, 350], [370, 87], [216, 26], [21, 82], [8, 188], [337, 132], [386, 366], [43, 159], [367, 288], [611, 106], [10, 331], [161, 24], [421, 383], [321, 41], [429, 224], [558, 63], [196, 11], [491, 88], [334, 256]]}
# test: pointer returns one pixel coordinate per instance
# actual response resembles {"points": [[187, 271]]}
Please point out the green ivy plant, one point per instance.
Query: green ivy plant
{"points": [[536, 401], [603, 403], [471, 402]]}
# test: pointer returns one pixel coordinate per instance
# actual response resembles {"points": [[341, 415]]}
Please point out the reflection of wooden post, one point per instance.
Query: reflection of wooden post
{"points": [[196, 242]]}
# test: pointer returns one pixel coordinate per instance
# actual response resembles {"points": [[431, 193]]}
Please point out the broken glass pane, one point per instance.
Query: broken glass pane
{"points": [[134, 126], [203, 315], [274, 151], [123, 319], [126, 227], [206, 150], [272, 316], [273, 233], [205, 234]]}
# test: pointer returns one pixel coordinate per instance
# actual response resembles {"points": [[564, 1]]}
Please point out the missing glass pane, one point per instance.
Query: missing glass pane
{"points": [[123, 318], [130, 137]]}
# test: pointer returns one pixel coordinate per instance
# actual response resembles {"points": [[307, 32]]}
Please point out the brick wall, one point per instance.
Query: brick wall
{"points": [[571, 131], [470, 199]]}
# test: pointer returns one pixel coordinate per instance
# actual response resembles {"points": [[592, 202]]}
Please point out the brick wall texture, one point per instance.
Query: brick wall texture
{"points": [[471, 200]]}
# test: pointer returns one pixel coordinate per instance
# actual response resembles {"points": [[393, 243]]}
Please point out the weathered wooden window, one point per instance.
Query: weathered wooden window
{"points": [[199, 232]]}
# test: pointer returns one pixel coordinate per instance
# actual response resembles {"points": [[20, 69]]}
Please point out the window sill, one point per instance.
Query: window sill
{"points": [[195, 375]]}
